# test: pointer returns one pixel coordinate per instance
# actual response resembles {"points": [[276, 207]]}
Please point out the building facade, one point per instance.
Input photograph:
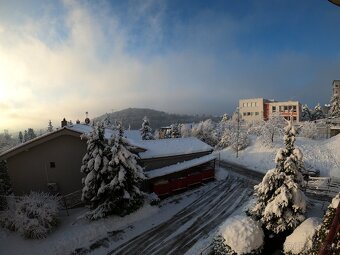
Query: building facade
{"points": [[256, 109], [336, 87]]}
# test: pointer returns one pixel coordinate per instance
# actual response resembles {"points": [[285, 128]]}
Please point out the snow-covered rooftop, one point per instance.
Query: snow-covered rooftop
{"points": [[172, 147], [132, 135], [180, 166]]}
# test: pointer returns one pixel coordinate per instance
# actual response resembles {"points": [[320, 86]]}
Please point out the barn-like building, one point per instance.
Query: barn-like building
{"points": [[51, 162]]}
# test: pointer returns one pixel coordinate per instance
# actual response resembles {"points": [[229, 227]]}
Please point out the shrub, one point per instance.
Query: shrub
{"points": [[239, 235], [33, 216]]}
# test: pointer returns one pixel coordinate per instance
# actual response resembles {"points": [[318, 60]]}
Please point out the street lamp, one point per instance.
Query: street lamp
{"points": [[238, 129]]}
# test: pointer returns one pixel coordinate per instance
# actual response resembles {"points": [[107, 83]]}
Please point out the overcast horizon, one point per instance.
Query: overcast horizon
{"points": [[63, 58]]}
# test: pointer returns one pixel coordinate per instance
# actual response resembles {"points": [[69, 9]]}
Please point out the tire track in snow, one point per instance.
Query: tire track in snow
{"points": [[184, 229]]}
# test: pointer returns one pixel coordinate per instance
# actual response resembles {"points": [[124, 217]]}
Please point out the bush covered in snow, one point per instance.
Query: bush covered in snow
{"points": [[33, 216], [309, 130], [239, 235], [280, 202], [271, 128], [323, 229], [233, 137], [206, 131], [152, 198], [300, 241]]}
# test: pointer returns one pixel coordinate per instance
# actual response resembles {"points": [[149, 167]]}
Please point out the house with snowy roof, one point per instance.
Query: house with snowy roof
{"points": [[52, 162]]}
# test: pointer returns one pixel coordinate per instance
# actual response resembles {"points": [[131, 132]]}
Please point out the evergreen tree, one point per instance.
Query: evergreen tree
{"points": [[175, 131], [31, 134], [280, 202], [321, 233], [108, 123], [49, 127], [113, 175], [306, 114], [318, 113], [146, 131], [26, 138], [95, 166], [21, 137], [125, 195], [335, 106]]}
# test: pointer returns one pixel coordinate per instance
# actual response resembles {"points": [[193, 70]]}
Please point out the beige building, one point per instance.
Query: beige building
{"points": [[252, 109], [256, 109], [336, 87]]}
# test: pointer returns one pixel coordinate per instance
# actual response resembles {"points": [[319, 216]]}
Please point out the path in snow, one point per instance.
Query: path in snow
{"points": [[183, 230]]}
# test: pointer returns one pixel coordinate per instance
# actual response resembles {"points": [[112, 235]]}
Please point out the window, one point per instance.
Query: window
{"points": [[256, 113], [244, 104], [244, 114], [294, 108], [52, 164], [255, 104], [290, 108], [286, 108], [281, 108], [248, 113], [274, 108], [294, 118]]}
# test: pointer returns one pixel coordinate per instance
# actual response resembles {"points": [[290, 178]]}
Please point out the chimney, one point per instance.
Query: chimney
{"points": [[64, 123]]}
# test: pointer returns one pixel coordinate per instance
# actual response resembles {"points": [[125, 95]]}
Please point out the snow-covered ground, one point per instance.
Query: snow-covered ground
{"points": [[323, 155], [74, 234]]}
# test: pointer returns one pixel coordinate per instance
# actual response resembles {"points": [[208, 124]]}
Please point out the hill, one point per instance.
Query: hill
{"points": [[134, 118]]}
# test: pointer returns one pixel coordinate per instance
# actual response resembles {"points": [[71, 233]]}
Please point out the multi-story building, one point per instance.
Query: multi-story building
{"points": [[336, 87], [262, 109]]}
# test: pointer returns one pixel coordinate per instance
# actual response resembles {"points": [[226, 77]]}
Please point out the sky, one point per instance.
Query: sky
{"points": [[62, 58]]}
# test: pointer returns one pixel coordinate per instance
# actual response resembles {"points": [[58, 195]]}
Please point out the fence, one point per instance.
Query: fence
{"points": [[324, 188], [65, 202]]}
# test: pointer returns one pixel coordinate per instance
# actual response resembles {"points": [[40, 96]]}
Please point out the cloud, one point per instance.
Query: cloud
{"points": [[91, 57]]}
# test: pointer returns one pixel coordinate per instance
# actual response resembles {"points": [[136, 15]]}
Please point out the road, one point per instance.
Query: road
{"points": [[183, 230]]}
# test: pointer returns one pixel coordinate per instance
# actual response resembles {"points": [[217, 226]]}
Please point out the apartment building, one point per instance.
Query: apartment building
{"points": [[255, 109]]}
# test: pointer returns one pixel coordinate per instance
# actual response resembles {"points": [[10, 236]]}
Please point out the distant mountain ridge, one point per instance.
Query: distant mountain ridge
{"points": [[133, 117]]}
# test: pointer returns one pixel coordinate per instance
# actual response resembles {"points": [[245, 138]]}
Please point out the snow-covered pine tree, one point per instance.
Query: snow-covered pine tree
{"points": [[50, 126], [334, 111], [124, 189], [321, 233], [117, 181], [175, 131], [318, 113], [95, 167], [306, 114], [280, 202], [108, 122], [146, 131]]}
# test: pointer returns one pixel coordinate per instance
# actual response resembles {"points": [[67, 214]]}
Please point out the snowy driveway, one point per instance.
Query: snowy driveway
{"points": [[183, 230]]}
